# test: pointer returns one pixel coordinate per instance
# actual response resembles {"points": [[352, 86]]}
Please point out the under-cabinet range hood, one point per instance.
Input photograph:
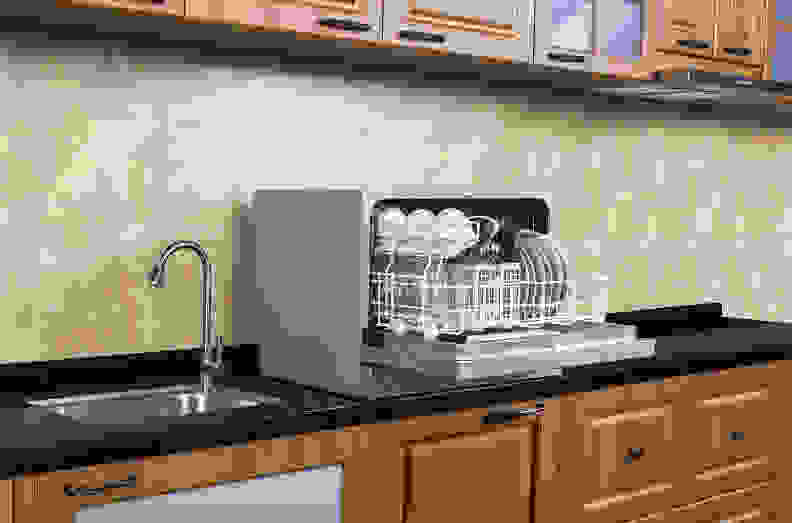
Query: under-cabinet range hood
{"points": [[698, 86]]}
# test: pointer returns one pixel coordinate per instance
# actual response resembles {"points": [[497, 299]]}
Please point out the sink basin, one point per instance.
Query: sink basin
{"points": [[134, 406]]}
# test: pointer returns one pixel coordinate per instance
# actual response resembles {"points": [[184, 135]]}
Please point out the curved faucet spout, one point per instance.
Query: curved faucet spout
{"points": [[157, 278]]}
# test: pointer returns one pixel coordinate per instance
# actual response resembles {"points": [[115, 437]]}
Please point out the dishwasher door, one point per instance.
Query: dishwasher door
{"points": [[307, 495]]}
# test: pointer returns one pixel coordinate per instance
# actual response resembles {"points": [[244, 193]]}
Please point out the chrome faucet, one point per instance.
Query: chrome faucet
{"points": [[208, 311]]}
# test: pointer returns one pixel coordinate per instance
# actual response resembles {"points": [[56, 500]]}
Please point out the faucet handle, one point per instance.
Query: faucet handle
{"points": [[219, 350]]}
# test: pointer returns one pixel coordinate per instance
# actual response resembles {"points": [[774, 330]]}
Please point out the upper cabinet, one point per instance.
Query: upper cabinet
{"points": [[564, 33], [741, 30], [683, 26], [171, 7], [498, 29], [356, 19]]}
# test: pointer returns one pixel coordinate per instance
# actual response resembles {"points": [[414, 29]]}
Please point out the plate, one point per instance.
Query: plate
{"points": [[527, 299], [540, 276]]}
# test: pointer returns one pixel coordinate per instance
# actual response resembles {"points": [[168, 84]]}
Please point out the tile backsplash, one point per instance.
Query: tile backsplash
{"points": [[107, 156]]}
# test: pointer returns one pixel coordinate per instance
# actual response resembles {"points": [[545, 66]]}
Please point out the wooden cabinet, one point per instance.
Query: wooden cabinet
{"points": [[353, 19], [741, 30], [734, 31], [471, 478], [698, 448], [498, 29], [169, 7], [682, 26], [57, 496], [686, 449]]}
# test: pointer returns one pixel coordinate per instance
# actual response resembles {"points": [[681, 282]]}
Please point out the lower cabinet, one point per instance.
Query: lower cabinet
{"points": [[281, 480], [471, 478], [705, 448]]}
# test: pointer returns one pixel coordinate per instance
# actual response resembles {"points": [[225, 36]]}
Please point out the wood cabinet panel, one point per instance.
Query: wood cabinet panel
{"points": [[170, 7], [742, 30], [496, 29], [355, 19], [683, 26], [471, 478], [749, 504], [6, 501], [45, 497], [730, 427]]}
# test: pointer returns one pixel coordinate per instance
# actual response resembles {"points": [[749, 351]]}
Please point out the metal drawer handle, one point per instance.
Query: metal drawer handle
{"points": [[738, 51], [736, 436], [344, 24], [566, 58], [498, 416], [633, 454], [421, 36], [695, 44], [130, 482]]}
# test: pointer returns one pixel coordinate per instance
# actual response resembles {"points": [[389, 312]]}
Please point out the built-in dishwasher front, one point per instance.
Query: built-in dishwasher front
{"points": [[308, 495]]}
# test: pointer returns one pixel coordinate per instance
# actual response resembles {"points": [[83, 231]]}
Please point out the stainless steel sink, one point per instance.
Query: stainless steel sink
{"points": [[134, 406]]}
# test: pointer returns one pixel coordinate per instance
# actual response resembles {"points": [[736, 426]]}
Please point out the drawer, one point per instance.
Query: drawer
{"points": [[732, 381], [474, 477], [752, 504], [627, 451], [730, 427]]}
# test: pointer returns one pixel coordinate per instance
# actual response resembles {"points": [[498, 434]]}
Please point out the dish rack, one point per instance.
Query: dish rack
{"points": [[442, 298]]}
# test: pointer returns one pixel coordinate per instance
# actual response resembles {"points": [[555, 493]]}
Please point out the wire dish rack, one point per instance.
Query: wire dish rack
{"points": [[434, 296]]}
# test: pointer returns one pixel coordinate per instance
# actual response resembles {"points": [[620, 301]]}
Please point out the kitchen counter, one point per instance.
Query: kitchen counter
{"points": [[690, 340]]}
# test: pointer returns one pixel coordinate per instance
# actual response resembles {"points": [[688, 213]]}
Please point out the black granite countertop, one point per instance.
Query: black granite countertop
{"points": [[696, 339]]}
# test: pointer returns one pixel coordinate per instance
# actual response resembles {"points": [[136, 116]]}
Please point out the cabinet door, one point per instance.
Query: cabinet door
{"points": [[353, 19], [471, 478], [742, 30], [684, 26], [501, 28], [564, 33]]}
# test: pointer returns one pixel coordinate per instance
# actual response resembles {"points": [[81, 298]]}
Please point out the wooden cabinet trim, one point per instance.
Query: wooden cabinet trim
{"points": [[602, 503], [6, 501], [742, 466], [734, 399], [725, 495], [436, 18], [655, 412]]}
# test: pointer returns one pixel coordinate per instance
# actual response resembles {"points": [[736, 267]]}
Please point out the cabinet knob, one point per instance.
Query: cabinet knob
{"points": [[736, 436], [633, 454]]}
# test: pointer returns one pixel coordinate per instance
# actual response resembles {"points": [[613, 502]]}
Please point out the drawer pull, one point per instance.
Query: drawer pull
{"points": [[420, 36], [695, 44], [497, 416], [344, 24], [736, 436], [633, 454], [566, 58], [738, 51], [130, 482]]}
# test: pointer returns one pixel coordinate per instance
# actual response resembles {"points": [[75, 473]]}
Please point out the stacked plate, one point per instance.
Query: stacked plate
{"points": [[421, 232], [545, 269]]}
